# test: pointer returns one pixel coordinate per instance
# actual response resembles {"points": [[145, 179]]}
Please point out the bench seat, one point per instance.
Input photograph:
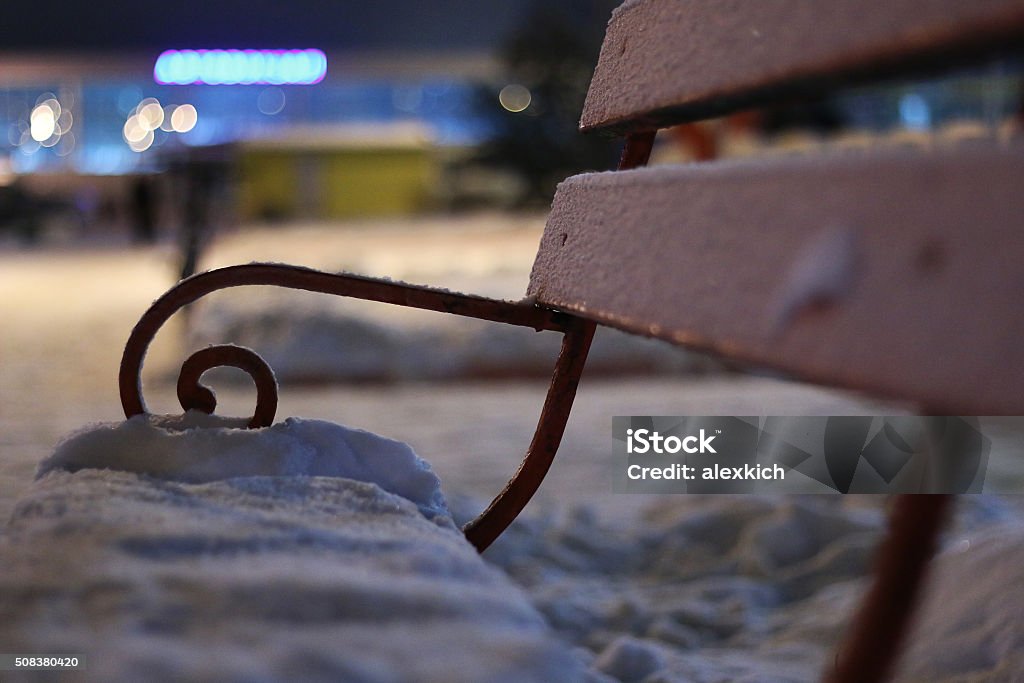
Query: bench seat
{"points": [[889, 270]]}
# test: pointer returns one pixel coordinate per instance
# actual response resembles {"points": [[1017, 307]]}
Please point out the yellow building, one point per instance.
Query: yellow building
{"points": [[336, 172]]}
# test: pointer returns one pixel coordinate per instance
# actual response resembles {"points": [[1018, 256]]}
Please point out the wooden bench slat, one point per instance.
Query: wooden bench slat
{"points": [[667, 61], [895, 271]]}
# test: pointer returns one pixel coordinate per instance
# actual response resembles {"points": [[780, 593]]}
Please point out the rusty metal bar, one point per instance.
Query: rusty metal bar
{"points": [[884, 617], [637, 150], [294, 277], [483, 530]]}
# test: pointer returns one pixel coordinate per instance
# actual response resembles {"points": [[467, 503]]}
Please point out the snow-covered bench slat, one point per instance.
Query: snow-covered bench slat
{"points": [[890, 272], [667, 61]]}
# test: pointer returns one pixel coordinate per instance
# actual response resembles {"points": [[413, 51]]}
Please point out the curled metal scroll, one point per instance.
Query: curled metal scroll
{"points": [[194, 396], [482, 531]]}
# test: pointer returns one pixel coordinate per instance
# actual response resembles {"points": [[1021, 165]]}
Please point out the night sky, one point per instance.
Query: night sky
{"points": [[116, 25]]}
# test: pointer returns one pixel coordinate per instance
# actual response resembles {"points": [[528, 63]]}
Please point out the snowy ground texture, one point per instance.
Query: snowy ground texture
{"points": [[287, 577], [339, 340], [760, 589], [258, 570], [170, 548], [314, 338]]}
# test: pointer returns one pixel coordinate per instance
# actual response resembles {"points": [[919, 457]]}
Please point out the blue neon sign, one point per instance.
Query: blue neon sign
{"points": [[240, 67]]}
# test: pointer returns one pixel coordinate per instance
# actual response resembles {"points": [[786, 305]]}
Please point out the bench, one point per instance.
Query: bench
{"points": [[896, 272]]}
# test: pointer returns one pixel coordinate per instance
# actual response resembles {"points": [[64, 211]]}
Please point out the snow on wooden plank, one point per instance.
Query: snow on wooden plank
{"points": [[665, 61], [893, 271]]}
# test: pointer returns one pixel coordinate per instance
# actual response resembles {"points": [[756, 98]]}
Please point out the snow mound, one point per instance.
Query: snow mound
{"points": [[199, 448], [260, 579]]}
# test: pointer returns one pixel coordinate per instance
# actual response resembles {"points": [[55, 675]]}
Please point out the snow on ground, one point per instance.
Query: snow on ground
{"points": [[656, 588], [752, 588], [327, 340], [316, 338], [64, 318], [301, 551], [971, 628], [689, 588]]}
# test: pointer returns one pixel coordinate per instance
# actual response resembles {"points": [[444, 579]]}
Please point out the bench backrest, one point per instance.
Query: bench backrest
{"points": [[667, 61], [897, 271]]}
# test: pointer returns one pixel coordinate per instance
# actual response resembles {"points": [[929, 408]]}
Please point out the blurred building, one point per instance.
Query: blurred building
{"points": [[74, 113], [81, 107], [376, 129]]}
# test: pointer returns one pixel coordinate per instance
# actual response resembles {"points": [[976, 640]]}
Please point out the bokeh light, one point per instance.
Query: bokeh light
{"points": [[515, 97], [271, 101], [184, 118], [43, 122], [166, 125], [66, 144], [240, 67], [150, 121], [144, 143], [408, 98], [133, 130], [150, 114], [65, 121], [915, 112], [47, 123]]}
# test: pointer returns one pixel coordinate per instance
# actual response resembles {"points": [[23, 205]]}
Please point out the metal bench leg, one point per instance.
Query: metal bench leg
{"points": [[877, 632]]}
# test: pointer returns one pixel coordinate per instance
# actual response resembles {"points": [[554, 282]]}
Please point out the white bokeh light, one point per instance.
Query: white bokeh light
{"points": [[515, 97], [184, 118]]}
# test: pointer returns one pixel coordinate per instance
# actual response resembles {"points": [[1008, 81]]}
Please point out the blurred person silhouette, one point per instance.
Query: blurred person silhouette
{"points": [[195, 223], [203, 181], [143, 202], [18, 212]]}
